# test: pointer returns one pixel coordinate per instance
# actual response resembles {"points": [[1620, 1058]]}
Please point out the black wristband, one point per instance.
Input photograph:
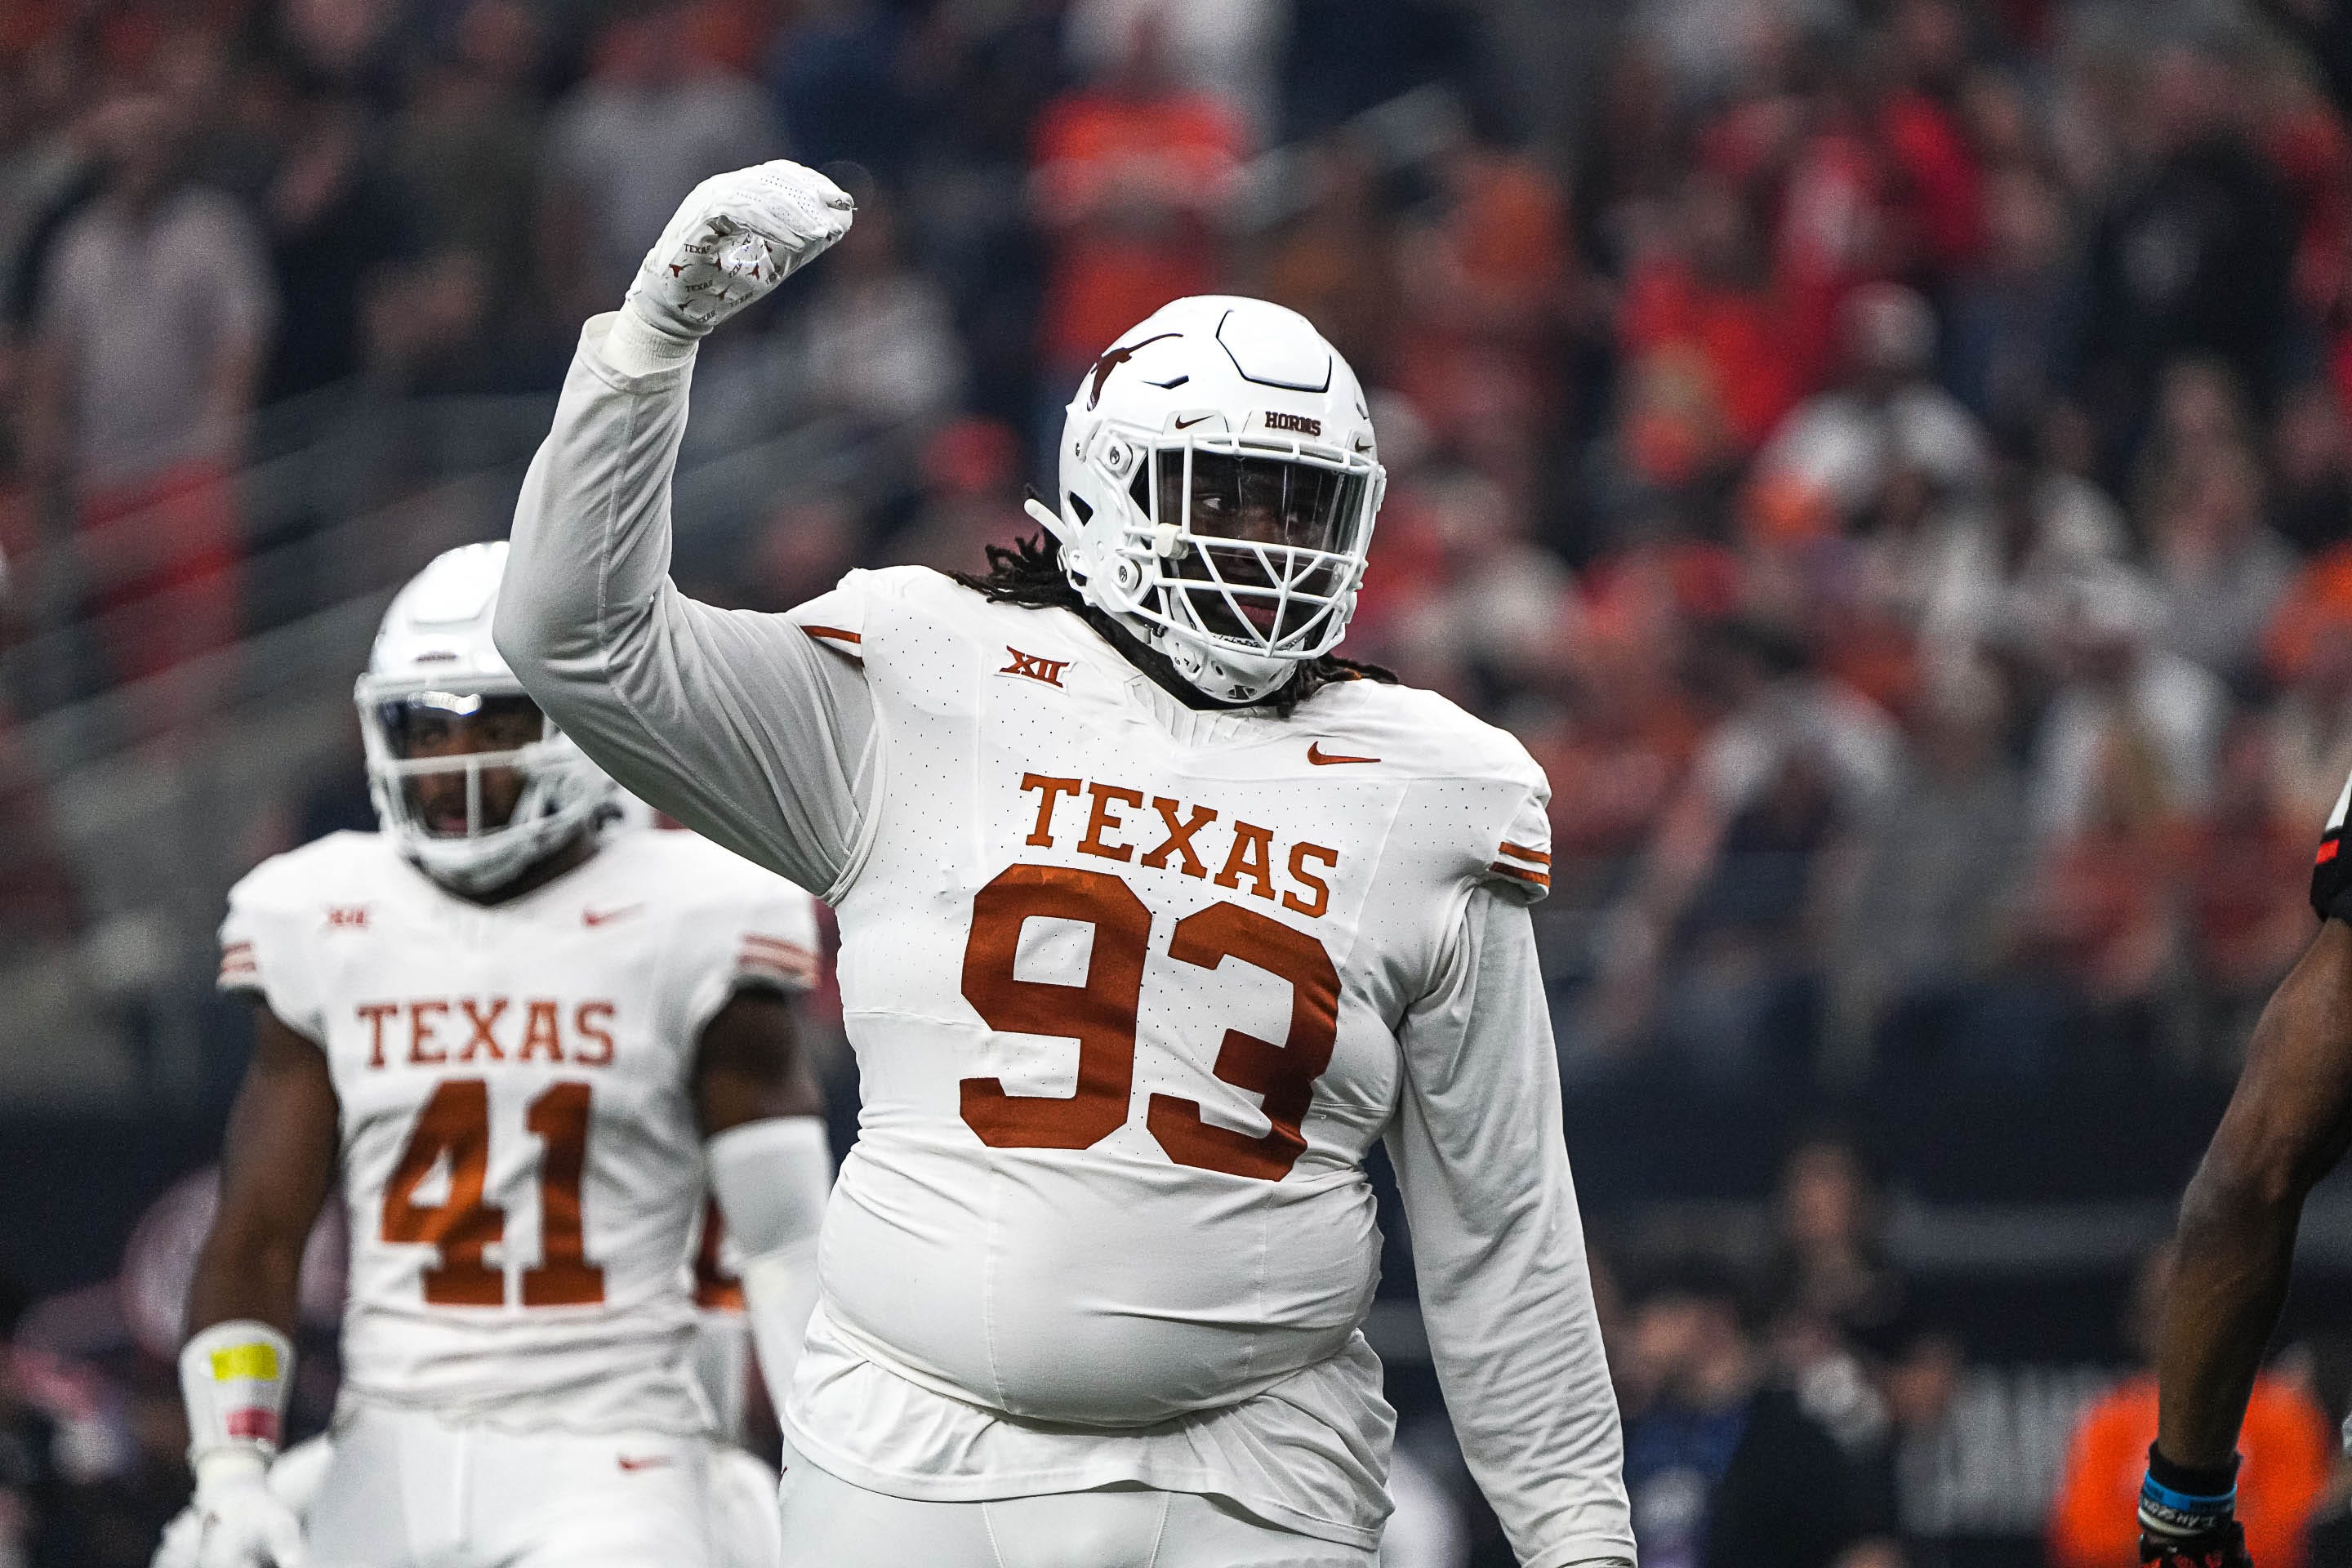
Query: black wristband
{"points": [[2207, 1482]]}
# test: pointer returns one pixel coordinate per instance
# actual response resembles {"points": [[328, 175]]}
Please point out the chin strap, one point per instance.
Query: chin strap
{"points": [[1141, 646], [1162, 671], [1046, 516], [1237, 693]]}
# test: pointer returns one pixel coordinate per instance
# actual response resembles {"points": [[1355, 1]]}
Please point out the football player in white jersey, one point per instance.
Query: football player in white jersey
{"points": [[1154, 916], [522, 1038]]}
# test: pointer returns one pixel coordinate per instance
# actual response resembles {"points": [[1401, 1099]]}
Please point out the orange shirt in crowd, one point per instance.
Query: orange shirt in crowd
{"points": [[2094, 1519], [1743, 336], [1151, 176]]}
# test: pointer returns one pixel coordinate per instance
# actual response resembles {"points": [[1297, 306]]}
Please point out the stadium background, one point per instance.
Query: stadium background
{"points": [[1887, 458]]}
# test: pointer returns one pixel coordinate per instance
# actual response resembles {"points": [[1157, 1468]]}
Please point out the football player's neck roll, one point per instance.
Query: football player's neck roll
{"points": [[1218, 485], [468, 778]]}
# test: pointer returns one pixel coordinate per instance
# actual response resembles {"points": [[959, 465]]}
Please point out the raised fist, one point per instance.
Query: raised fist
{"points": [[734, 238]]}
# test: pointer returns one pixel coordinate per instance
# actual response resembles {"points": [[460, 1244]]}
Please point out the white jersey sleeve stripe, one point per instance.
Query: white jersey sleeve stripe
{"points": [[797, 970]]}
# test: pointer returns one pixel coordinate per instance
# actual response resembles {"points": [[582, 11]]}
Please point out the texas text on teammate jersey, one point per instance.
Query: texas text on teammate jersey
{"points": [[519, 1155]]}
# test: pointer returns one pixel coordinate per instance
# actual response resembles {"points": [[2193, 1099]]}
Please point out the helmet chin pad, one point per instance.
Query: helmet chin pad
{"points": [[1227, 677], [470, 865], [1218, 673]]}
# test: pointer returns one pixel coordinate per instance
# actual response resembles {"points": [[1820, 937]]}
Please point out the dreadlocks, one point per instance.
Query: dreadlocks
{"points": [[1028, 573]]}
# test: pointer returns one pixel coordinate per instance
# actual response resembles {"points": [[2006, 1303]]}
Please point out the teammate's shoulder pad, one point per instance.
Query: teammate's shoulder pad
{"points": [[688, 864], [763, 927], [338, 864]]}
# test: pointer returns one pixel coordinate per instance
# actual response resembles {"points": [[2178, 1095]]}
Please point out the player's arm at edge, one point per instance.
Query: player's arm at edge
{"points": [[278, 1164], [1482, 1165], [770, 1165], [2287, 1125]]}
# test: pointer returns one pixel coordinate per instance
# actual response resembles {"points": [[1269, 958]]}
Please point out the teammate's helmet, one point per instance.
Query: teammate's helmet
{"points": [[1219, 484], [434, 672]]}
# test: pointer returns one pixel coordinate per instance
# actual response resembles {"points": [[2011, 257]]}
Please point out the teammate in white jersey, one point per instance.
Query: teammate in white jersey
{"points": [[508, 1028], [1154, 916]]}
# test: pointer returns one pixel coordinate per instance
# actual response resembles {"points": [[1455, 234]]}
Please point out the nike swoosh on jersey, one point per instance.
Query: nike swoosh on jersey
{"points": [[1323, 759], [599, 917]]}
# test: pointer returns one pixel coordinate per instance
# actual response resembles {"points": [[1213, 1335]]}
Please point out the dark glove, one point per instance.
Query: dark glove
{"points": [[2331, 872], [2188, 1518]]}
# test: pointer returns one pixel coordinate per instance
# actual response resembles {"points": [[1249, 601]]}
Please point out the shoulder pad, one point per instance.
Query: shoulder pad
{"points": [[314, 873], [838, 618]]}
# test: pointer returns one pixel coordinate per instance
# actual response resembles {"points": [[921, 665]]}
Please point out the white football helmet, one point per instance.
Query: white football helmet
{"points": [[434, 659], [1219, 481]]}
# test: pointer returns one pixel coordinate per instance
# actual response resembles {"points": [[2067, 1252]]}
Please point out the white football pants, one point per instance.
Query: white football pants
{"points": [[408, 1491], [829, 1523]]}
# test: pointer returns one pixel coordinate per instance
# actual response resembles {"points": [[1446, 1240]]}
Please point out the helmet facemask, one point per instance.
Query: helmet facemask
{"points": [[475, 786], [1241, 556]]}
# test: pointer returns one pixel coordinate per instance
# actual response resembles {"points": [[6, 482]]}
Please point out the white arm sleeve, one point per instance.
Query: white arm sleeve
{"points": [[1499, 1248], [739, 725], [771, 1179]]}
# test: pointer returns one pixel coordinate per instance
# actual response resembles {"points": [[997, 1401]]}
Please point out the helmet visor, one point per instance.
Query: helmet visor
{"points": [[1272, 542], [1262, 500], [456, 756]]}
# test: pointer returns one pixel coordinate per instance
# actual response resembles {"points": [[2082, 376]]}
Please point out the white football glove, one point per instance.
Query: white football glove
{"points": [[236, 1520], [736, 236], [295, 1477], [182, 1539]]}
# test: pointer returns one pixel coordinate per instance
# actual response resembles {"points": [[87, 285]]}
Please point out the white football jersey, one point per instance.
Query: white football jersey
{"points": [[1126, 982], [1132, 988], [521, 1161]]}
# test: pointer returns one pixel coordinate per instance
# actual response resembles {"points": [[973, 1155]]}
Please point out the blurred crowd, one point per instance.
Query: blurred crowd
{"points": [[1889, 459]]}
